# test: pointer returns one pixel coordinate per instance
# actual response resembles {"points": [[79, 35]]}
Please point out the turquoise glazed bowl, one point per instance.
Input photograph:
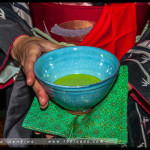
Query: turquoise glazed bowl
{"points": [[77, 60]]}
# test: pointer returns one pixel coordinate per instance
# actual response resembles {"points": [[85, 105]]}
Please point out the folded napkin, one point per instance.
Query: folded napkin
{"points": [[107, 120]]}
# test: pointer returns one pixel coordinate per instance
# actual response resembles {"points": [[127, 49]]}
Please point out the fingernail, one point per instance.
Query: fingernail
{"points": [[44, 107], [28, 81], [37, 133], [42, 101], [49, 136]]}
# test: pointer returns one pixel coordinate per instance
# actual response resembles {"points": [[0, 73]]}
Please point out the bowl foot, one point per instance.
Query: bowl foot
{"points": [[79, 112]]}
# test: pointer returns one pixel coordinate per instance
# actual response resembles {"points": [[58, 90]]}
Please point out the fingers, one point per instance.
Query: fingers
{"points": [[37, 132], [41, 94], [49, 136], [32, 55], [33, 50], [129, 87], [29, 62]]}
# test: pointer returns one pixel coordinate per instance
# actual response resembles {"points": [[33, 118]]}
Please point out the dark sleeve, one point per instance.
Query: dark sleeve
{"points": [[11, 27], [138, 61]]}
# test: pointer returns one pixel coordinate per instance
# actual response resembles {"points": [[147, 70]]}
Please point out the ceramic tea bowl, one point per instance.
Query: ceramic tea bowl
{"points": [[77, 60]]}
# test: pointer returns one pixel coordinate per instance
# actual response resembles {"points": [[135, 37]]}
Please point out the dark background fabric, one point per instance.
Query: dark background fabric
{"points": [[10, 28]]}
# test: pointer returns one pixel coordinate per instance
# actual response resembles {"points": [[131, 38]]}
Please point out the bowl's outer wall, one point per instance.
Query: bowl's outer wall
{"points": [[77, 59]]}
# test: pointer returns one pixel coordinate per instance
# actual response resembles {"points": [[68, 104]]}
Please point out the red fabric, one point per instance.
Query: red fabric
{"points": [[38, 9], [140, 99], [53, 14], [145, 105], [115, 30], [115, 34], [142, 13]]}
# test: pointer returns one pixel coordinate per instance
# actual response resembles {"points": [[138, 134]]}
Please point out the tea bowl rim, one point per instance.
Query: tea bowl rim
{"points": [[75, 87]]}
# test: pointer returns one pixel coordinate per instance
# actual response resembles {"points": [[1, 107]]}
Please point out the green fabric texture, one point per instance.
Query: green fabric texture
{"points": [[107, 121]]}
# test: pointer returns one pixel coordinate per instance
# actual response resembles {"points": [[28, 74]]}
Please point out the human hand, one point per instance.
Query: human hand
{"points": [[25, 51], [129, 87], [48, 136]]}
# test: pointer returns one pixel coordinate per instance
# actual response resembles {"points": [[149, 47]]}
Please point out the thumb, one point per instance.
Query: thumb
{"points": [[129, 87]]}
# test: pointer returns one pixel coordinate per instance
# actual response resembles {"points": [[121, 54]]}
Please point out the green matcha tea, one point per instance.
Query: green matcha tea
{"points": [[77, 80]]}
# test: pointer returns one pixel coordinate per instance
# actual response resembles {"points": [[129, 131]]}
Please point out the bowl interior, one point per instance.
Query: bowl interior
{"points": [[76, 60]]}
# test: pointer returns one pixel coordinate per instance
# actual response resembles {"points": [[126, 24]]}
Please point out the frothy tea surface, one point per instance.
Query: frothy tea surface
{"points": [[77, 80]]}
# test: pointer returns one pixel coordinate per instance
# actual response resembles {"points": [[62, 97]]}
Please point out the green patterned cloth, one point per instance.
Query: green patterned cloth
{"points": [[107, 121]]}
